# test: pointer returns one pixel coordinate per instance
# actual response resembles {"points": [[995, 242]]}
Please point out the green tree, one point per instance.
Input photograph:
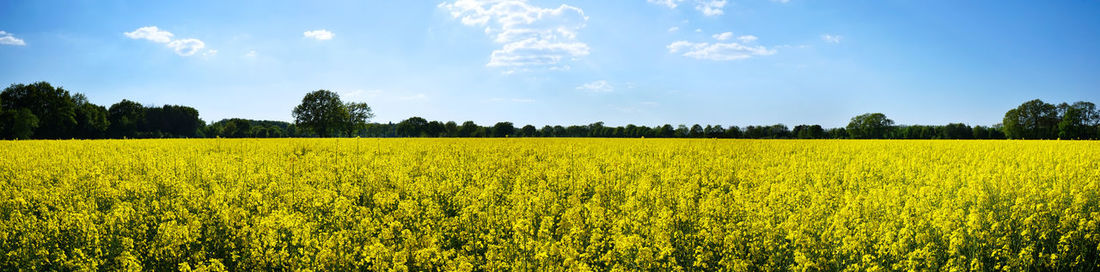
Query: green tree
{"points": [[503, 129], [957, 131], [1033, 119], [715, 131], [468, 129], [17, 124], [666, 131], [322, 113], [528, 131], [53, 107], [435, 129], [91, 119], [734, 132], [980, 132], [682, 131], [170, 121], [546, 131], [837, 133], [696, 131], [125, 117], [1078, 120], [450, 129], [594, 130], [412, 127], [808, 132], [358, 115], [869, 126]]}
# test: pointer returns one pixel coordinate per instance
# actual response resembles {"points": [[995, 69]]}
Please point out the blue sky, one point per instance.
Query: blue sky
{"points": [[649, 62]]}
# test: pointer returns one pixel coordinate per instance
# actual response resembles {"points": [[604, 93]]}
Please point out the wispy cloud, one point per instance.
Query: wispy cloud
{"points": [[721, 51], [183, 47], [723, 36], [668, 3], [186, 47], [707, 7], [151, 33], [320, 34], [711, 7], [599, 86], [830, 38], [673, 29], [10, 39], [250, 54], [530, 36]]}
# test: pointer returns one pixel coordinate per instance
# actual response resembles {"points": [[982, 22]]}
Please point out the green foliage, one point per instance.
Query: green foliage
{"points": [[1034, 119], [321, 112], [125, 118], [412, 127], [53, 107], [1078, 120], [245, 128], [171, 121], [809, 132], [358, 115], [92, 122], [869, 126], [52, 113], [17, 124], [503, 129]]}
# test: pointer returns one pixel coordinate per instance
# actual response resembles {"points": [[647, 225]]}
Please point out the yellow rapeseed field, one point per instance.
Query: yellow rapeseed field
{"points": [[549, 204]]}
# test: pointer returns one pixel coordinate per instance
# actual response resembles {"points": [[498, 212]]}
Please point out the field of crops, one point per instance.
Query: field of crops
{"points": [[549, 204]]}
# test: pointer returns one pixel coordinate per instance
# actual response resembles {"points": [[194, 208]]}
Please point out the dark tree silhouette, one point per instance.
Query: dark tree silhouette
{"points": [[321, 113]]}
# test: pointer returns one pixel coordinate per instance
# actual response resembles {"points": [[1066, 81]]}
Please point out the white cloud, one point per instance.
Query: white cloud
{"points": [[530, 36], [599, 86], [210, 52], [829, 38], [718, 51], [673, 29], [10, 39], [710, 7], [183, 47], [250, 54], [747, 38], [319, 34], [799, 46], [723, 36], [707, 7], [668, 3], [151, 33], [186, 47], [698, 30]]}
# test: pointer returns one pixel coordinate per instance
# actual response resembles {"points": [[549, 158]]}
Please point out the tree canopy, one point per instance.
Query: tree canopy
{"points": [[42, 111], [869, 126], [322, 113]]}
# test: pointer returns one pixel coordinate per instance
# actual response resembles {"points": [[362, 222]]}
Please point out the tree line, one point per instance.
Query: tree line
{"points": [[42, 111]]}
